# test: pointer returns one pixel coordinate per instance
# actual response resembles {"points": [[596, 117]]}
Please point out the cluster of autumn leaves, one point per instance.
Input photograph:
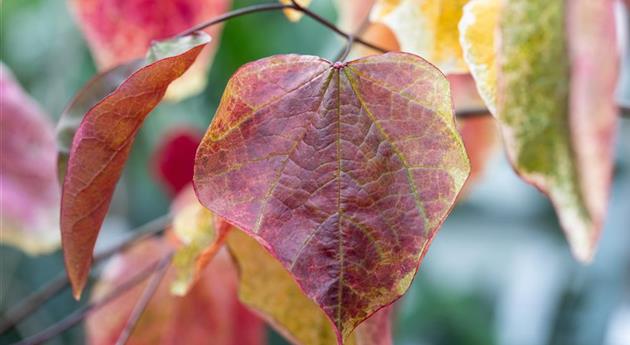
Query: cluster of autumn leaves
{"points": [[337, 176]]}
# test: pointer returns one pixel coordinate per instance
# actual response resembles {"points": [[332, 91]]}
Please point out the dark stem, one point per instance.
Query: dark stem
{"points": [[624, 113], [344, 54], [33, 302], [472, 113], [142, 304], [80, 314]]}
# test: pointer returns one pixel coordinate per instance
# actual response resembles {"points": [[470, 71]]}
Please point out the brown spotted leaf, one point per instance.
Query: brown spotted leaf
{"points": [[343, 171], [100, 148]]}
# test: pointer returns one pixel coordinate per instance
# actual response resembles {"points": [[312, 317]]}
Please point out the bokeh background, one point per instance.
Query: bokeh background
{"points": [[499, 271]]}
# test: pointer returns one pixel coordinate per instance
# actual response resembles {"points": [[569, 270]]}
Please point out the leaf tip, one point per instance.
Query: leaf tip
{"points": [[582, 239], [584, 252], [76, 291]]}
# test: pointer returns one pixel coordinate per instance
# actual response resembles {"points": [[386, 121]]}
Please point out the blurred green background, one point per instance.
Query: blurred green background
{"points": [[499, 272]]}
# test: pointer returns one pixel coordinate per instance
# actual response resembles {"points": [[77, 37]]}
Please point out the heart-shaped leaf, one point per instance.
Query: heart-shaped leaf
{"points": [[100, 148], [343, 171]]}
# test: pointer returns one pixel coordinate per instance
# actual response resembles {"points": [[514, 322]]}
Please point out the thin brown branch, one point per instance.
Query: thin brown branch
{"points": [[235, 13], [33, 302], [274, 7], [142, 303], [624, 113], [82, 313], [472, 113]]}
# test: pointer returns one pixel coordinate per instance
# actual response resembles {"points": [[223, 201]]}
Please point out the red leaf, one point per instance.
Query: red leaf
{"points": [[101, 147], [344, 172], [29, 192], [209, 314], [174, 159]]}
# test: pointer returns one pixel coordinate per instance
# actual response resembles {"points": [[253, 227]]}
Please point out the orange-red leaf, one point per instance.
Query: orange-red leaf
{"points": [[100, 148], [29, 192], [343, 171], [209, 314], [94, 90]]}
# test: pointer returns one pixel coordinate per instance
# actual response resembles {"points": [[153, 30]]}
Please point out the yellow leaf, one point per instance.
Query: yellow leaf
{"points": [[427, 28], [201, 237], [268, 288], [478, 29]]}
